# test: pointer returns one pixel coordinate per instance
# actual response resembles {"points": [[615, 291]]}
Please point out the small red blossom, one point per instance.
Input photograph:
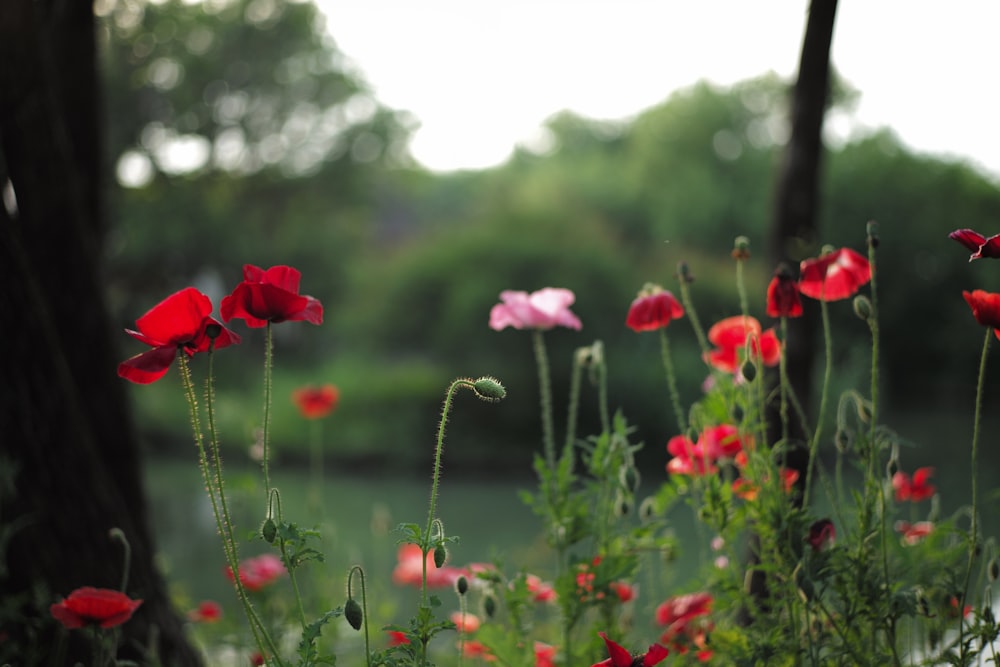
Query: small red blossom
{"points": [[822, 534], [465, 622], [783, 295], [625, 591], [953, 608], [409, 569], [257, 659], [476, 649], [747, 490], [397, 638], [259, 571], [316, 402], [179, 322], [985, 308], [541, 591], [834, 276], [620, 657], [981, 246], [687, 623], [699, 458], [270, 296], [208, 611], [545, 655], [544, 309], [94, 606], [915, 489], [653, 309], [914, 533], [731, 337]]}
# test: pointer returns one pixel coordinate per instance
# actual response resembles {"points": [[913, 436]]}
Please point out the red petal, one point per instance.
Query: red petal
{"points": [[969, 238], [834, 276], [176, 319], [619, 656], [149, 366], [985, 307], [284, 277], [732, 331], [654, 655]]}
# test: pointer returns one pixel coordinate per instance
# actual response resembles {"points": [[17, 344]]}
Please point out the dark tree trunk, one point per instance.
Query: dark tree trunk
{"points": [[69, 468]]}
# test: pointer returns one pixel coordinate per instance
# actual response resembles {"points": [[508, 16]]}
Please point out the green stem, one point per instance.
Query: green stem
{"points": [[675, 397], [579, 360], [266, 426], [814, 444], [601, 368], [291, 567], [784, 382], [545, 389], [316, 463], [692, 314], [119, 536]]}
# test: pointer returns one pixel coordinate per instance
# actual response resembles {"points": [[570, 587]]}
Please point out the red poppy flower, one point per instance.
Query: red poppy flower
{"points": [[915, 489], [259, 572], [822, 533], [620, 657], [397, 638], [208, 611], [540, 590], [981, 246], [730, 338], [179, 322], [653, 309], [985, 308], [545, 655], [465, 622], [747, 490], [687, 624], [316, 402], [409, 569], [699, 458], [270, 296], [914, 533], [783, 295], [94, 606], [835, 275]]}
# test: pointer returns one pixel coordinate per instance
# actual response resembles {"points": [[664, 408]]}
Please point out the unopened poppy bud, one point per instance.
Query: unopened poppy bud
{"points": [[842, 440], [862, 307], [353, 613], [489, 389], [741, 248], [647, 509], [988, 614], [748, 371], [629, 478], [213, 330], [891, 468], [489, 605], [440, 556], [736, 412], [622, 506], [993, 570], [872, 230], [269, 530], [684, 273], [462, 585]]}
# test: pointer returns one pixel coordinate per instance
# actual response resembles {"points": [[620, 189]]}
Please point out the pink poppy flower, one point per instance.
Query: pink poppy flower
{"points": [[835, 275], [653, 309], [94, 606], [981, 246], [916, 489], [179, 322], [409, 569], [540, 590], [465, 622], [544, 309], [270, 296], [259, 572], [620, 657], [913, 533]]}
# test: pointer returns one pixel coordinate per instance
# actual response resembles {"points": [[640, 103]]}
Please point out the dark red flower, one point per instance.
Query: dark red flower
{"points": [[822, 533], [985, 308], [653, 309], [981, 246], [181, 321], [915, 489], [270, 296], [620, 657], [316, 402], [835, 275], [783, 295], [94, 606]]}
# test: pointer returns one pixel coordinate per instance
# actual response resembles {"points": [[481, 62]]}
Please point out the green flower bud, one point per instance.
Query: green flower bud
{"points": [[213, 330], [994, 569], [629, 478], [489, 389], [269, 530], [462, 585], [872, 231], [353, 613], [748, 371], [440, 556], [862, 307], [489, 605], [736, 413]]}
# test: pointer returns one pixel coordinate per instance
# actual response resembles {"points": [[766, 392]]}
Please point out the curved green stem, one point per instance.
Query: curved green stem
{"points": [[364, 607]]}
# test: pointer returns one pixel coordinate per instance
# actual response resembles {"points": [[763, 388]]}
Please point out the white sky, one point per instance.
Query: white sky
{"points": [[483, 75]]}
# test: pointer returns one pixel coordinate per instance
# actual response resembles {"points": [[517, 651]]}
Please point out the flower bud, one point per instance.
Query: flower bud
{"points": [[862, 307], [462, 585], [741, 248], [891, 468], [684, 273], [748, 371], [736, 413], [629, 478], [842, 439], [993, 570], [440, 556], [489, 389], [353, 613], [489, 605], [872, 231], [269, 530], [213, 330]]}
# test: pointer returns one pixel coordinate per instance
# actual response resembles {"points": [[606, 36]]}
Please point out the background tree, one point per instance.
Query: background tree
{"points": [[70, 469]]}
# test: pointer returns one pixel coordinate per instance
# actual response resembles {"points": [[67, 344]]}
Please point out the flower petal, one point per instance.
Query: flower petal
{"points": [[176, 319], [149, 366]]}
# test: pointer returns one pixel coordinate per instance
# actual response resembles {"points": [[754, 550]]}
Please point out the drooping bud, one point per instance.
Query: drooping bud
{"points": [[748, 371], [440, 556], [629, 478], [269, 530], [462, 585], [862, 307], [353, 613], [489, 389]]}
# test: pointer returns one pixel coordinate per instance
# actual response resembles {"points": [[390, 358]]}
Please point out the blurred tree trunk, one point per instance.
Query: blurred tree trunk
{"points": [[69, 468]]}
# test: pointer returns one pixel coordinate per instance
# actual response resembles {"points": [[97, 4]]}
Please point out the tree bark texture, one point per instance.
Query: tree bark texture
{"points": [[69, 464]]}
